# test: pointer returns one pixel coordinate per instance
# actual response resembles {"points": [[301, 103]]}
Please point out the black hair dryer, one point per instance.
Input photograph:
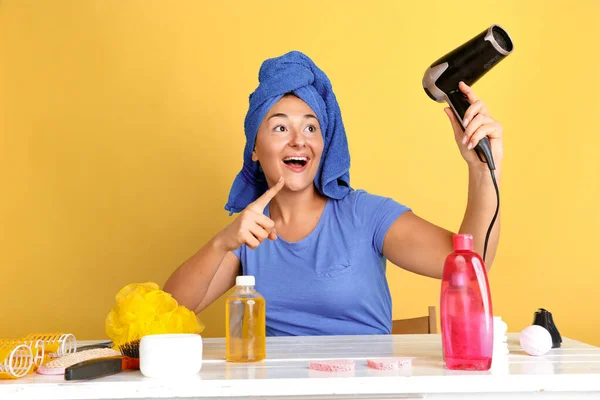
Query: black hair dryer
{"points": [[467, 63]]}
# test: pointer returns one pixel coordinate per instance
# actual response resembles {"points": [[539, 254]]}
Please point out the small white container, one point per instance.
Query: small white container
{"points": [[170, 355]]}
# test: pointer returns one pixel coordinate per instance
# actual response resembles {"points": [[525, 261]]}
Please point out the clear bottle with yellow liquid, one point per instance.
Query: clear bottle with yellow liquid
{"points": [[245, 324]]}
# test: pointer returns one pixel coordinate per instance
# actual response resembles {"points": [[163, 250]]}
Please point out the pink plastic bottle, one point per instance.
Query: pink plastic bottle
{"points": [[466, 309]]}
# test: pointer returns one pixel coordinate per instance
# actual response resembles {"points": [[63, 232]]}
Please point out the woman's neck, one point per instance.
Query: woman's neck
{"points": [[289, 206]]}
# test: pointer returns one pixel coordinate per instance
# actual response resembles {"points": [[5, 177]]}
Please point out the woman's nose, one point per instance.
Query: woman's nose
{"points": [[297, 139]]}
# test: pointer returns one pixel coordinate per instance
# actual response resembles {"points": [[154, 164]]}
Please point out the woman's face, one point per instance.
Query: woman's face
{"points": [[289, 143]]}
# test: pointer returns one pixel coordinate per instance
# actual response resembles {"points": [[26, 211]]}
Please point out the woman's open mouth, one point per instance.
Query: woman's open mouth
{"points": [[296, 163]]}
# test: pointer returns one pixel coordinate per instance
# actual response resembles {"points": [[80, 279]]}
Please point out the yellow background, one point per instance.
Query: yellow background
{"points": [[122, 130]]}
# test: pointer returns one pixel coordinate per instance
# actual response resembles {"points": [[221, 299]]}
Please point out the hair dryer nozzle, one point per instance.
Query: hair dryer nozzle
{"points": [[500, 39]]}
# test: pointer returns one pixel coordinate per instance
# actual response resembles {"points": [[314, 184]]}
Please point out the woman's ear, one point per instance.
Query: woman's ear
{"points": [[254, 156]]}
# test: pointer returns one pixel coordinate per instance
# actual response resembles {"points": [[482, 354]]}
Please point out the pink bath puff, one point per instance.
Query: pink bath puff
{"points": [[388, 364], [332, 365]]}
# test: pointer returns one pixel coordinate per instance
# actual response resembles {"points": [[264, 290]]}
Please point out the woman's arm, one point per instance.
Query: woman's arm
{"points": [[419, 246], [212, 270], [204, 277]]}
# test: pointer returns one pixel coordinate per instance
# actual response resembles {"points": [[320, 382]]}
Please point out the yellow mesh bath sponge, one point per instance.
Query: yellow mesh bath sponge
{"points": [[143, 309]]}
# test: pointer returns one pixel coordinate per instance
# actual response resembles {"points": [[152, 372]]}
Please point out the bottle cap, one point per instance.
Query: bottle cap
{"points": [[245, 280], [462, 241]]}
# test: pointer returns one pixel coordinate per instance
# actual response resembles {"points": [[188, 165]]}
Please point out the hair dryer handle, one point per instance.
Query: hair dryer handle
{"points": [[459, 104]]}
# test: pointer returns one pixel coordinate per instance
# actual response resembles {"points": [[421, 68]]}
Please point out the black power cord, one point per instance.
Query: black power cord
{"points": [[489, 231]]}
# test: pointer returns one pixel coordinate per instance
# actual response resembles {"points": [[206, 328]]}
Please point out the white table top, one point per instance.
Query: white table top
{"points": [[572, 370]]}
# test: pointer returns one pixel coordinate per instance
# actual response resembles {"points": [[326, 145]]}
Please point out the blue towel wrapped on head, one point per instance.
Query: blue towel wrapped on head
{"points": [[295, 73]]}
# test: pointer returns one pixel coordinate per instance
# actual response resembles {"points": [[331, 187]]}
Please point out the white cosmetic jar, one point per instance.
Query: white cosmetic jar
{"points": [[170, 355]]}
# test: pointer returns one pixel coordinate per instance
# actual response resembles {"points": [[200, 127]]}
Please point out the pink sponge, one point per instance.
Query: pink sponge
{"points": [[388, 364], [332, 365]]}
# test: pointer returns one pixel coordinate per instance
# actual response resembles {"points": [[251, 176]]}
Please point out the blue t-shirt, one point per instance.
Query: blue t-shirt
{"points": [[333, 281]]}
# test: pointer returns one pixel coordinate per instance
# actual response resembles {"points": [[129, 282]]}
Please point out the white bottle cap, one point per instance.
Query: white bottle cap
{"points": [[245, 280]]}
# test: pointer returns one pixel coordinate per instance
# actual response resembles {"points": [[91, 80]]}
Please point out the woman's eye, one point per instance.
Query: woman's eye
{"points": [[280, 128], [311, 128]]}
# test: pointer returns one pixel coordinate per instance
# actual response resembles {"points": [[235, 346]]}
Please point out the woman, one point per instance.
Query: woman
{"points": [[317, 247]]}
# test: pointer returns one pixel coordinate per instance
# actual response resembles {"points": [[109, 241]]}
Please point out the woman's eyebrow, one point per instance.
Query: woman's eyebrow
{"points": [[282, 115], [278, 115]]}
